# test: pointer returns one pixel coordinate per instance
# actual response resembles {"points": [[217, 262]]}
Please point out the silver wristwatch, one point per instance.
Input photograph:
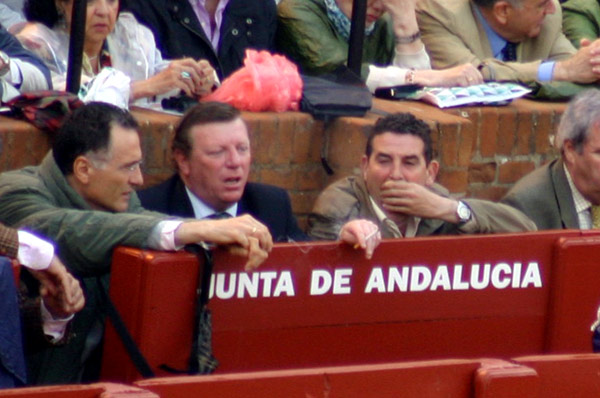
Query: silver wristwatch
{"points": [[463, 212], [4, 63]]}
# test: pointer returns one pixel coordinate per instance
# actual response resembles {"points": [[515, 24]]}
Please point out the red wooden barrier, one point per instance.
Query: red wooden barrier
{"points": [[454, 378], [98, 390], [323, 304], [566, 375], [443, 378]]}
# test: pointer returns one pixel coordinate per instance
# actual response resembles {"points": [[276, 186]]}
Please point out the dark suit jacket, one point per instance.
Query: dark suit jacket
{"points": [[545, 196], [246, 24], [267, 203]]}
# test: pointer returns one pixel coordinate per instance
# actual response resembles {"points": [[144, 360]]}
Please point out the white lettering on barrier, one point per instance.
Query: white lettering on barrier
{"points": [[415, 278], [274, 284], [419, 278], [321, 281]]}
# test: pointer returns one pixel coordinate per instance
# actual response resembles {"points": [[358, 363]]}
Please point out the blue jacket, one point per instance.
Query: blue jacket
{"points": [[12, 362]]}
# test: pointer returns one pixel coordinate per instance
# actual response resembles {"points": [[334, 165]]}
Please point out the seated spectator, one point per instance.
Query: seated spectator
{"points": [[20, 70], [115, 40], [44, 320], [219, 31], [82, 197], [396, 191], [565, 193], [315, 34], [507, 40], [211, 149], [581, 20]]}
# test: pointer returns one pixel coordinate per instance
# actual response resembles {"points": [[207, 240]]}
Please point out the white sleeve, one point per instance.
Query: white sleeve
{"points": [[387, 76], [55, 328], [27, 75], [162, 236], [418, 60], [395, 75], [34, 253]]}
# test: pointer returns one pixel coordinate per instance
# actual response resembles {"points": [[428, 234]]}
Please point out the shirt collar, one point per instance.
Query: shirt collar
{"points": [[581, 203], [411, 226], [497, 42], [202, 210]]}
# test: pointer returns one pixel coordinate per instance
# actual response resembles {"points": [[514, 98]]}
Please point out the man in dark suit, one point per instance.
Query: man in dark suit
{"points": [[566, 192], [219, 31], [211, 149]]}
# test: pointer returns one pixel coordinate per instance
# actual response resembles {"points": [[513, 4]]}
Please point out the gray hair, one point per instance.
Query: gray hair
{"points": [[490, 3], [577, 121]]}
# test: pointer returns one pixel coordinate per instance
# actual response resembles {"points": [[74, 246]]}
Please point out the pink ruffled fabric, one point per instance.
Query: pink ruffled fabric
{"points": [[266, 82]]}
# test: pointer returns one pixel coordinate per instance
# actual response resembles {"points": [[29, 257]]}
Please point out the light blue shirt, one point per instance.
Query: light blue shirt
{"points": [[202, 210], [497, 43]]}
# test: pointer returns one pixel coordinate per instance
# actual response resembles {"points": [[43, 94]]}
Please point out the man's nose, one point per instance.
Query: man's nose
{"points": [[136, 178], [233, 158], [550, 8], [397, 173]]}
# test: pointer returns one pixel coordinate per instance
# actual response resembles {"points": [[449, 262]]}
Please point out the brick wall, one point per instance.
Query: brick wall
{"points": [[482, 150]]}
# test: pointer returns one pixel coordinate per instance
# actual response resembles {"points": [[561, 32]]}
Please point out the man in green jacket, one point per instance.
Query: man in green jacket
{"points": [[82, 197]]}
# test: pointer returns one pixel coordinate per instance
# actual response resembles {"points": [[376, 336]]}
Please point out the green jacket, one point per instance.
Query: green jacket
{"points": [[581, 19], [41, 200], [307, 36]]}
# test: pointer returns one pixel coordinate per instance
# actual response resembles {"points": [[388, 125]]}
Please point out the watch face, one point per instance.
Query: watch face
{"points": [[463, 211]]}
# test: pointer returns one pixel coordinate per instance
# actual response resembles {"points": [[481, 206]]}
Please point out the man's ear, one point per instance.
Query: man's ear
{"points": [[432, 171], [182, 162], [569, 152], [364, 164], [82, 169], [502, 11]]}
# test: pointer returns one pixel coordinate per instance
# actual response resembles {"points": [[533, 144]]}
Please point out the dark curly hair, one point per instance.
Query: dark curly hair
{"points": [[402, 123], [87, 129]]}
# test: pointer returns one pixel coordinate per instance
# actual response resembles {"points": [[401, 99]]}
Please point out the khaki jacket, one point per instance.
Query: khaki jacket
{"points": [[348, 199], [453, 35]]}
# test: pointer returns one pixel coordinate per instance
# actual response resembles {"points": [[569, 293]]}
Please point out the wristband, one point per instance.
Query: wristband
{"points": [[408, 39]]}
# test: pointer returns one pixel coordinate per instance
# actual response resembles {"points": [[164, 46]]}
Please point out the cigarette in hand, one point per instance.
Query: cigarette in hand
{"points": [[369, 236]]}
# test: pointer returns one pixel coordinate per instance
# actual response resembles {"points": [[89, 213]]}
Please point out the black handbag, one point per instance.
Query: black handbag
{"points": [[342, 94]]}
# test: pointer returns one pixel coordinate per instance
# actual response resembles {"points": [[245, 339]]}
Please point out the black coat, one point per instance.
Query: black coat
{"points": [[178, 34], [267, 203]]}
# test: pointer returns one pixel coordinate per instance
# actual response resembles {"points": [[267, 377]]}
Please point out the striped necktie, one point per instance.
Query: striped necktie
{"points": [[509, 52], [219, 215]]}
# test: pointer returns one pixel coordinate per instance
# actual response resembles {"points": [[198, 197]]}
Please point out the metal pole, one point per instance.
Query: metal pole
{"points": [[76, 39], [357, 35]]}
